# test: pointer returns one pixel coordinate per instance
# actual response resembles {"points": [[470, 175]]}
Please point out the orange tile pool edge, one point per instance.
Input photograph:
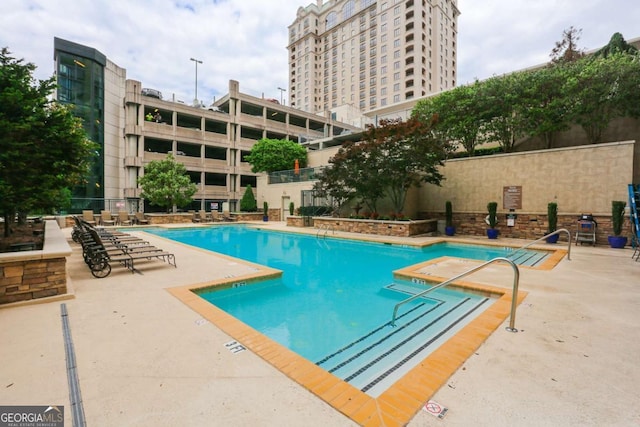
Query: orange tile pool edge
{"points": [[399, 403]]}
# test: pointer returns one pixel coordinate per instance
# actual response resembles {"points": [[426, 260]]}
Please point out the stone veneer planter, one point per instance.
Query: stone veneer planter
{"points": [[30, 275], [378, 227]]}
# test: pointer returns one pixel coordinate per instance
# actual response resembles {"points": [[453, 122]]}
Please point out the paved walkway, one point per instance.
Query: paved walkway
{"points": [[146, 359]]}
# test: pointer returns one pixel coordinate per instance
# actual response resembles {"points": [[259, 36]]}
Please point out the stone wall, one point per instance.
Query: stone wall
{"points": [[378, 227], [528, 226], [36, 274]]}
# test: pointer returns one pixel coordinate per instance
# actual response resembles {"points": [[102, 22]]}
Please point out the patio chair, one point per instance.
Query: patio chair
{"points": [[123, 218], [141, 219], [106, 218], [215, 216], [88, 217], [226, 216], [204, 217]]}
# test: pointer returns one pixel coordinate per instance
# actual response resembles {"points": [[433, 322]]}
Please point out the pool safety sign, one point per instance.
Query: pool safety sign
{"points": [[434, 408]]}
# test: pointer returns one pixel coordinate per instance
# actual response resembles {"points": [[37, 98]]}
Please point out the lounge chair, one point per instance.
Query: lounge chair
{"points": [[204, 217], [123, 218], [88, 217], [215, 216], [141, 219], [106, 218], [100, 257]]}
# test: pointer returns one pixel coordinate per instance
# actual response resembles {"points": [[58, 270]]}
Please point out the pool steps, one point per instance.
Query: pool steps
{"points": [[529, 258], [374, 361]]}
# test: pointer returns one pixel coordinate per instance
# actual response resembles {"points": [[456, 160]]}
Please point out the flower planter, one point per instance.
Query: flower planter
{"points": [[553, 239], [617, 242], [450, 230], [492, 233]]}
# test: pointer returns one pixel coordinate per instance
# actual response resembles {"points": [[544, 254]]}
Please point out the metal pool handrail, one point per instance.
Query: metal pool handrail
{"points": [[326, 228], [544, 237], [514, 297]]}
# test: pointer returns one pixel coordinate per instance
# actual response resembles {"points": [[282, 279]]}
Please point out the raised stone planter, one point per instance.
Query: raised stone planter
{"points": [[36, 274], [378, 227]]}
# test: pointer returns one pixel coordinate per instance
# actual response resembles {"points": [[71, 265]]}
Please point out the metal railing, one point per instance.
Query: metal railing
{"points": [[561, 230], [514, 297], [326, 228]]}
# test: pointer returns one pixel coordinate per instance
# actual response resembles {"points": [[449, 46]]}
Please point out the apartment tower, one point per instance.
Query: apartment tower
{"points": [[369, 54]]}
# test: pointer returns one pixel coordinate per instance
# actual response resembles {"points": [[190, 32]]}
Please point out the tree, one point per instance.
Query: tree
{"points": [[503, 97], [544, 107], [602, 89], [408, 155], [269, 155], [461, 114], [566, 50], [166, 184], [334, 183], [248, 201], [617, 44], [390, 159], [43, 147]]}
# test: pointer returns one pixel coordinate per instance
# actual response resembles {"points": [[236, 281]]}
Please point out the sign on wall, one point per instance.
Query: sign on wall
{"points": [[512, 197]]}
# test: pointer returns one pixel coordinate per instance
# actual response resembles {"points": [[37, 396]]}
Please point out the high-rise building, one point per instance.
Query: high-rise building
{"points": [[370, 54]]}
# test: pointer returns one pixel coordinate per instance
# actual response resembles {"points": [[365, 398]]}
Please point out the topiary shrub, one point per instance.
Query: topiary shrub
{"points": [[492, 207], [552, 214], [448, 214], [617, 216], [248, 202]]}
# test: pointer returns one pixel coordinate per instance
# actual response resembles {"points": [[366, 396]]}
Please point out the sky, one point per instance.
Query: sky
{"points": [[246, 40]]}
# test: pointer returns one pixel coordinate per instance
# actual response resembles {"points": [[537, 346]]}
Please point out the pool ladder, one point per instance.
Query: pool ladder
{"points": [[326, 228], [514, 297]]}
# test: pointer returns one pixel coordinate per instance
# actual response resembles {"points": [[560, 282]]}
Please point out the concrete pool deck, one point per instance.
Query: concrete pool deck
{"points": [[146, 359]]}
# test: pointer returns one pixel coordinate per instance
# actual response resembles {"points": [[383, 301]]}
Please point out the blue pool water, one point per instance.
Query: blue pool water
{"points": [[332, 291]]}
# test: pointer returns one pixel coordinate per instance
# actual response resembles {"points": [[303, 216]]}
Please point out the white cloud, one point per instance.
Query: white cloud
{"points": [[246, 40]]}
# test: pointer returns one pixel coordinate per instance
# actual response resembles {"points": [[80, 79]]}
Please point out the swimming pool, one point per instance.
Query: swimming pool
{"points": [[335, 298]]}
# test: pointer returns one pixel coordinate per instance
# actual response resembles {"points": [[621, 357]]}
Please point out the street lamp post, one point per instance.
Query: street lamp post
{"points": [[281, 92], [196, 62]]}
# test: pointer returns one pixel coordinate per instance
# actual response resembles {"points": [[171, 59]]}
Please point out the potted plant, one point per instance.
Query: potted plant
{"points": [[552, 217], [492, 220], [449, 229], [265, 211], [617, 217], [291, 208]]}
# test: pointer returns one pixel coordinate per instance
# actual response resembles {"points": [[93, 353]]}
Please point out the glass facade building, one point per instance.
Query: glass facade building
{"points": [[80, 78]]}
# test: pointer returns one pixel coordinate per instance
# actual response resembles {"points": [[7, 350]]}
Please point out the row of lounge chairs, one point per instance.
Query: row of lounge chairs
{"points": [[102, 249], [213, 216], [106, 218]]}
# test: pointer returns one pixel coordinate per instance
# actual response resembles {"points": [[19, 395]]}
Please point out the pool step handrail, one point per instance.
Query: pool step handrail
{"points": [[326, 228], [558, 231], [514, 297]]}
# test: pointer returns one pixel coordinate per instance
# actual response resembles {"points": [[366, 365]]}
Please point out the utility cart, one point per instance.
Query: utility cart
{"points": [[586, 229]]}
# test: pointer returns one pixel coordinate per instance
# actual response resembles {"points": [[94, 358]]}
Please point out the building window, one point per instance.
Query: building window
{"points": [[332, 20], [347, 11]]}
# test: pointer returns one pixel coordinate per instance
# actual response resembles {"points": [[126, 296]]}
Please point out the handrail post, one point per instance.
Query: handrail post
{"points": [[514, 296]]}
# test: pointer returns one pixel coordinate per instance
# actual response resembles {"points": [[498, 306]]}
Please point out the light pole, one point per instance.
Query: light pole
{"points": [[281, 92], [196, 62]]}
